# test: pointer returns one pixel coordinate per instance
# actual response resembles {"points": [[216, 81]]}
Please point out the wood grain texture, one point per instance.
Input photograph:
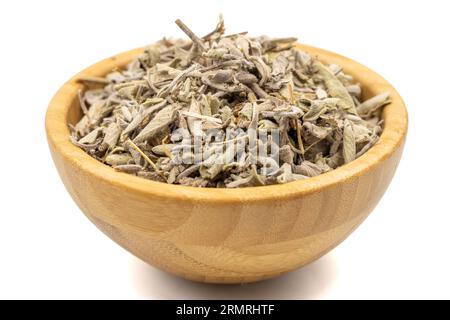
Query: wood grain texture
{"points": [[222, 235]]}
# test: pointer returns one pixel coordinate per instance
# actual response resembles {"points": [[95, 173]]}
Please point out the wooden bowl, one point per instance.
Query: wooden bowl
{"points": [[227, 235]]}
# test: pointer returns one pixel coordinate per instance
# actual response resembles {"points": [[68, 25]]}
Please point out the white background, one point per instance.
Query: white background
{"points": [[48, 249]]}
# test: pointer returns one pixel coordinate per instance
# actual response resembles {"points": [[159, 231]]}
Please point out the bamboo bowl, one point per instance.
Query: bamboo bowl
{"points": [[221, 235]]}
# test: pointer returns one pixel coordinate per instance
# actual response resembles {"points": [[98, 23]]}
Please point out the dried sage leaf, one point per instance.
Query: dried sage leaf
{"points": [[349, 146]]}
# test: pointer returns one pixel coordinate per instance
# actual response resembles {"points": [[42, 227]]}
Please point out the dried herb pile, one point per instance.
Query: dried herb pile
{"points": [[236, 87]]}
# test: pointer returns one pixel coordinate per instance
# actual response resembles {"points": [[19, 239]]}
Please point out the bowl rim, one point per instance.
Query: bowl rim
{"points": [[395, 128]]}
